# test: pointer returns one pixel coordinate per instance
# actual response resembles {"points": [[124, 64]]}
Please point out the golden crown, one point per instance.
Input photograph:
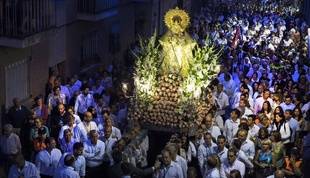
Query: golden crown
{"points": [[174, 15]]}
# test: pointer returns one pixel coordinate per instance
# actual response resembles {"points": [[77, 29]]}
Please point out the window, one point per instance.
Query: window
{"points": [[16, 81], [114, 39], [89, 51]]}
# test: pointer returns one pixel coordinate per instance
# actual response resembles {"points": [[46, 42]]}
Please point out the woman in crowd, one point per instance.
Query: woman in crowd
{"points": [[267, 110], [262, 135], [292, 164], [263, 160], [279, 124], [278, 150]]}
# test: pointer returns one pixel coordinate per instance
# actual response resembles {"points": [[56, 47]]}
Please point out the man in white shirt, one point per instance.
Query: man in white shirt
{"points": [[23, 168], [80, 162], [236, 97], [109, 143], [9, 142], [213, 170], [82, 130], [116, 132], [97, 88], [94, 152], [214, 130], [67, 171], [47, 160], [287, 104], [253, 128], [83, 101], [258, 105], [220, 149], [67, 142], [170, 168], [173, 149], [75, 85], [244, 108], [70, 125], [247, 146], [228, 84], [221, 99], [204, 150], [56, 98], [231, 163], [294, 126], [232, 125], [63, 88]]}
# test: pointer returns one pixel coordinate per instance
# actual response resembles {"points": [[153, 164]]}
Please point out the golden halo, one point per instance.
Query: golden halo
{"points": [[176, 14]]}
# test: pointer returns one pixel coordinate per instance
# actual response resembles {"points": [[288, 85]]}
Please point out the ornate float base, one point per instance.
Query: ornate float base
{"points": [[166, 111]]}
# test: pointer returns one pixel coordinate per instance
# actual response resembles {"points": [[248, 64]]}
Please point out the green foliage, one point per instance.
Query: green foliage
{"points": [[203, 69], [146, 68]]}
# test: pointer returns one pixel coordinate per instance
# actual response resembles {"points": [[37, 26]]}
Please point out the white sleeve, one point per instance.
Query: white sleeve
{"points": [[242, 169], [76, 105], [252, 151], [286, 132], [200, 157], [222, 172]]}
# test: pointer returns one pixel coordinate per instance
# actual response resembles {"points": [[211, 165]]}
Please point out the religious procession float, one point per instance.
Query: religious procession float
{"points": [[171, 78]]}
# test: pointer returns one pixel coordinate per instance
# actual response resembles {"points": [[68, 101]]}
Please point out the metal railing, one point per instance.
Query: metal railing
{"points": [[95, 6], [22, 18]]}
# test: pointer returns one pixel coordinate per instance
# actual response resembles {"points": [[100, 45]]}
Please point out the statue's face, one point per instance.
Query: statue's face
{"points": [[176, 28]]}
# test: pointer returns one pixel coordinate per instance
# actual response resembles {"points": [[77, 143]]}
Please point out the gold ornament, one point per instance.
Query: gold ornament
{"points": [[177, 20]]}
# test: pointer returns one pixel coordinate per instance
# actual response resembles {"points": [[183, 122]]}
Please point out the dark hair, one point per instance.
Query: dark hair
{"points": [[235, 174], [208, 133], [212, 161], [67, 131], [55, 88], [117, 156], [253, 116], [244, 126], [126, 168], [245, 86], [90, 109], [41, 131], [281, 110], [69, 160], [269, 107], [289, 111], [237, 143], [295, 152], [84, 87], [300, 116], [237, 112], [265, 130], [276, 135], [78, 145], [49, 140], [221, 137], [232, 149], [38, 97]]}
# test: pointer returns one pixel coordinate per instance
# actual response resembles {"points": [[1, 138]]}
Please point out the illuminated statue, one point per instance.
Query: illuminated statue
{"points": [[177, 44]]}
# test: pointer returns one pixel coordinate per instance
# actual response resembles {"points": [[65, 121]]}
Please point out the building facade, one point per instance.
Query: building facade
{"points": [[66, 36]]}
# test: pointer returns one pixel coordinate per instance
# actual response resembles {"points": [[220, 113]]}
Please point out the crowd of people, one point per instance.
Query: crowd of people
{"points": [[258, 127], [79, 129]]}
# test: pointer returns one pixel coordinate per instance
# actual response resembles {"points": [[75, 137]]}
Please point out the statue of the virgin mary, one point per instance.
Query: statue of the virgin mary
{"points": [[176, 43]]}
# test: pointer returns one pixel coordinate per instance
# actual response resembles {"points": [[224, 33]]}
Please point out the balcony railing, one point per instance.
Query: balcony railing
{"points": [[23, 18], [96, 6]]}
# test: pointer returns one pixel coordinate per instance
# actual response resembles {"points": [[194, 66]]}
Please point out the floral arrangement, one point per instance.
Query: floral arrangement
{"points": [[146, 69], [203, 69]]}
